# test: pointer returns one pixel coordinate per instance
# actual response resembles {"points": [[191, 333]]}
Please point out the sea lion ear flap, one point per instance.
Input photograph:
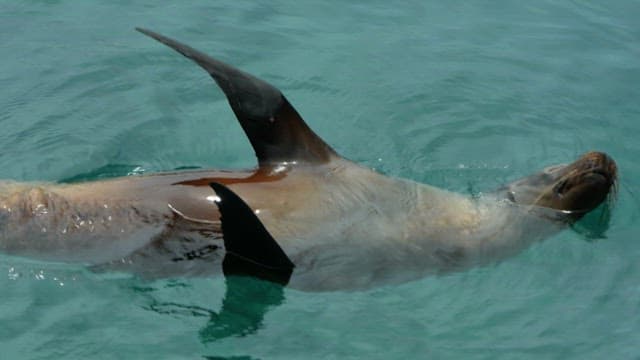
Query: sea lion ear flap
{"points": [[250, 249], [274, 128]]}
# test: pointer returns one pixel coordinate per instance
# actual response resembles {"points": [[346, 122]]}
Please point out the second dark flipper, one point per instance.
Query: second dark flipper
{"points": [[250, 249]]}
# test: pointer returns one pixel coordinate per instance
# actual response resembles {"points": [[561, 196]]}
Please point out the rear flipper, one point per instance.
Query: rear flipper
{"points": [[250, 249]]}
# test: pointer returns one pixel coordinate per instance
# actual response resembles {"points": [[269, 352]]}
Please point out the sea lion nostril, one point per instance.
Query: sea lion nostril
{"points": [[596, 159]]}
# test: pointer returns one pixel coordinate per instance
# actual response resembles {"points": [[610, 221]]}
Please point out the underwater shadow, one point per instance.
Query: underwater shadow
{"points": [[594, 225], [246, 302]]}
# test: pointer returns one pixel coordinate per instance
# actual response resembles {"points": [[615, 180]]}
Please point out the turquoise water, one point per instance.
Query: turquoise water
{"points": [[462, 95]]}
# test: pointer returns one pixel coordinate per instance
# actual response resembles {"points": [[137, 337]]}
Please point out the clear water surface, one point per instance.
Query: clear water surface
{"points": [[462, 95]]}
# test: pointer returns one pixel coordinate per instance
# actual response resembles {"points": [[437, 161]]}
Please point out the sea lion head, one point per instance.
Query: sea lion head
{"points": [[573, 189]]}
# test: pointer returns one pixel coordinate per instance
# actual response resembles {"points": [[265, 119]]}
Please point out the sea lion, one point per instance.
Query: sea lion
{"points": [[332, 223]]}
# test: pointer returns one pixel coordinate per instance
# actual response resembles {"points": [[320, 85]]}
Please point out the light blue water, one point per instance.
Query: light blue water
{"points": [[462, 95]]}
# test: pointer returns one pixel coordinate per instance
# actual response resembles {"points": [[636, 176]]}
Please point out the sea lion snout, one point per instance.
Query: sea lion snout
{"points": [[594, 169], [602, 164], [574, 189], [582, 185], [587, 182]]}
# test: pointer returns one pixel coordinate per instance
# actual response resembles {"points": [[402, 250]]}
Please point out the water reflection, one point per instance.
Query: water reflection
{"points": [[594, 225], [244, 306]]}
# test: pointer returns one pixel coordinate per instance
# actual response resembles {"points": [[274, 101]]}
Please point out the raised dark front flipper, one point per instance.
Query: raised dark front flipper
{"points": [[250, 249], [274, 128]]}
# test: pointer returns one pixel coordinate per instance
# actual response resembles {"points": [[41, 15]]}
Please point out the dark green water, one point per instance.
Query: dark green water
{"points": [[462, 95]]}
